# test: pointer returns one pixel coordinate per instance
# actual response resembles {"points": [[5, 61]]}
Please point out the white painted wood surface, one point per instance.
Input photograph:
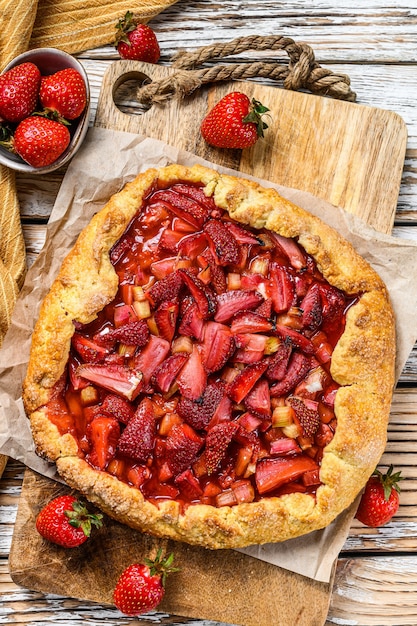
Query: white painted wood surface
{"points": [[374, 42]]}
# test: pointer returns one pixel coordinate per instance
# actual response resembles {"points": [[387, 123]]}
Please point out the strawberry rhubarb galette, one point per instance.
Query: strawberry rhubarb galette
{"points": [[212, 364]]}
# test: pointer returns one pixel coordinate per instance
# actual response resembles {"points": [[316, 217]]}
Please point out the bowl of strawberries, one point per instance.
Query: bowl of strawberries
{"points": [[44, 110]]}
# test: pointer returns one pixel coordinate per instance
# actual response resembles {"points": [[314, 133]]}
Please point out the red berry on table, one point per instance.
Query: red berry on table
{"points": [[64, 93], [19, 89], [40, 141], [136, 41], [234, 122], [380, 500], [141, 586], [66, 521]]}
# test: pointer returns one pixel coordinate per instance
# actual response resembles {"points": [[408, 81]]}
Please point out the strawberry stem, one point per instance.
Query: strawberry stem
{"points": [[80, 517], [255, 116], [389, 481], [161, 566], [125, 25]]}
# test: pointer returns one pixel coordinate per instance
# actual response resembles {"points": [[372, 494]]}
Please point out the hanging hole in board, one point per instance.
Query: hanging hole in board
{"points": [[125, 93]]}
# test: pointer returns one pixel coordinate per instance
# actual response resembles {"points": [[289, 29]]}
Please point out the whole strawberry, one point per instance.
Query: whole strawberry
{"points": [[40, 141], [136, 41], [234, 122], [380, 500], [64, 93], [141, 586], [66, 522], [19, 89]]}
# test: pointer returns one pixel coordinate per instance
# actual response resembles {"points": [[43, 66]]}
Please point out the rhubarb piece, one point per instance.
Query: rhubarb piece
{"points": [[272, 473], [138, 438]]}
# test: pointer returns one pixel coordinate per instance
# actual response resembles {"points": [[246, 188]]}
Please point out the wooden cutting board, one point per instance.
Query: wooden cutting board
{"points": [[347, 154]]}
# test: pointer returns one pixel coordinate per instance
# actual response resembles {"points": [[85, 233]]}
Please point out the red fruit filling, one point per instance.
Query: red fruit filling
{"points": [[207, 379]]}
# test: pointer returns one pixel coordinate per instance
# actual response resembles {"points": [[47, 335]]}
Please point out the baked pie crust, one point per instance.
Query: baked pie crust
{"points": [[362, 364]]}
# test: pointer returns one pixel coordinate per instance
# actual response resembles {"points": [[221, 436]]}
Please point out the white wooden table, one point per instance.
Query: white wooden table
{"points": [[375, 44]]}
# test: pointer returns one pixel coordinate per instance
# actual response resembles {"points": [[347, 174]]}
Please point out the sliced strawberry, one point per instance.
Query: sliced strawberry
{"points": [[87, 349], [192, 378], [197, 194], [258, 400], [265, 308], [182, 446], [282, 288], [189, 485], [313, 384], [199, 413], [298, 367], [191, 324], [245, 381], [151, 356], [295, 338], [306, 414], [192, 245], [166, 373], [250, 322], [242, 234], [255, 282], [166, 289], [278, 363], [170, 239], [231, 302], [138, 438], [123, 314], [272, 473], [77, 382], [117, 407], [202, 294], [217, 442], [333, 303], [103, 433], [251, 347], [166, 319], [223, 244], [291, 250], [218, 346], [311, 306], [184, 207], [134, 333], [216, 273], [121, 248], [116, 378]]}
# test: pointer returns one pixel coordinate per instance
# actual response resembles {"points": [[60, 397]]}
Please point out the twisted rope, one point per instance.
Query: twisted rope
{"points": [[301, 72]]}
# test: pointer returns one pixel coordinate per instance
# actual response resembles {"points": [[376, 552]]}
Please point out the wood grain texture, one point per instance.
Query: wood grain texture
{"points": [[374, 43]]}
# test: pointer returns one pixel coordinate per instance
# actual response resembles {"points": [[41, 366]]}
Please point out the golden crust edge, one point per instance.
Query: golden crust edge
{"points": [[247, 201]]}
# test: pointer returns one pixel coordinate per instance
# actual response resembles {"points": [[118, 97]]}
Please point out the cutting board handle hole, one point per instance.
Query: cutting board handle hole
{"points": [[125, 90]]}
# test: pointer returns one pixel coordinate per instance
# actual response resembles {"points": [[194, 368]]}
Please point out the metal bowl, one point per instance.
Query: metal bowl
{"points": [[49, 61]]}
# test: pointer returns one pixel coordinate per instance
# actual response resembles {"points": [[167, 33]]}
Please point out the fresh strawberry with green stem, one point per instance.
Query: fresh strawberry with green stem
{"points": [[66, 521], [234, 122], [40, 141], [136, 41], [19, 88], [380, 500], [63, 94], [141, 586]]}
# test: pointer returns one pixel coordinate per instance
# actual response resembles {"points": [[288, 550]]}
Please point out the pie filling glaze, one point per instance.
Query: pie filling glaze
{"points": [[204, 383]]}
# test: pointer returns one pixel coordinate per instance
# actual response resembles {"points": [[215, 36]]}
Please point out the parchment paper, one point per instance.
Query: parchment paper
{"points": [[106, 161]]}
